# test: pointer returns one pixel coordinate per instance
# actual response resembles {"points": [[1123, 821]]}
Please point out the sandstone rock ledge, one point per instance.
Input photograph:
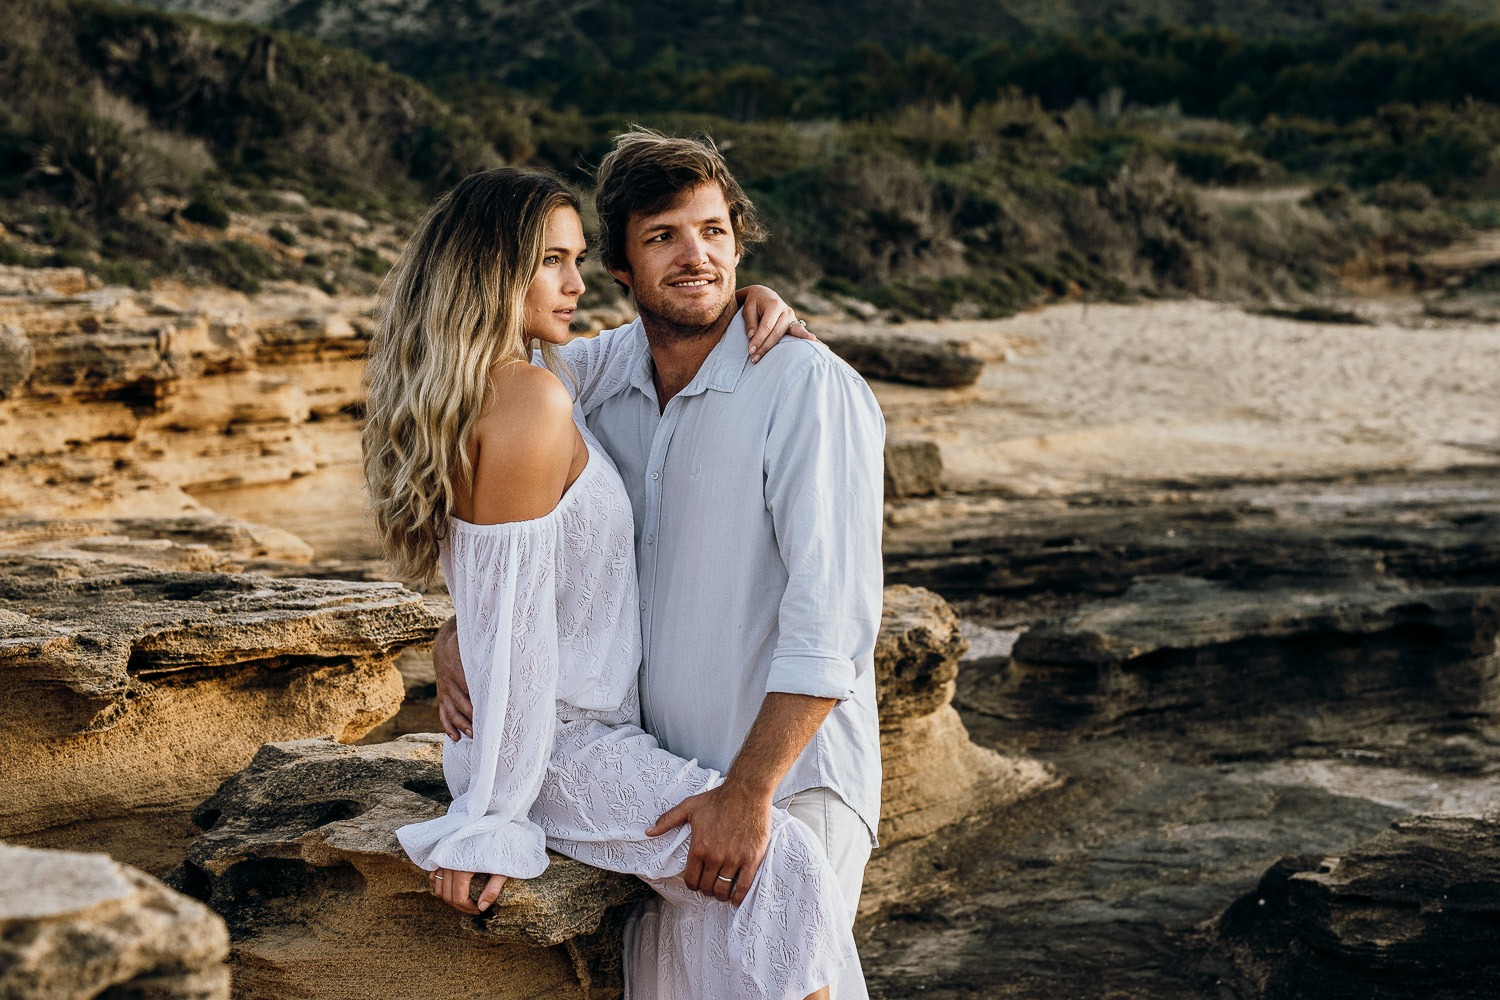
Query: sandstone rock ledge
{"points": [[135, 690], [933, 775], [113, 402], [1414, 912], [302, 860], [78, 926]]}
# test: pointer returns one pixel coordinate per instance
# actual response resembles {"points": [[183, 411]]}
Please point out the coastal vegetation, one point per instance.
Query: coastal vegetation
{"points": [[977, 180]]}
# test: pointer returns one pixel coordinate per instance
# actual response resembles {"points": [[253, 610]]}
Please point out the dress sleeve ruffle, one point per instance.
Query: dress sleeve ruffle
{"points": [[503, 581]]}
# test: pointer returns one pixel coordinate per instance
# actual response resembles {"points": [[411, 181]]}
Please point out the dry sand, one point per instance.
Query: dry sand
{"points": [[1077, 397]]}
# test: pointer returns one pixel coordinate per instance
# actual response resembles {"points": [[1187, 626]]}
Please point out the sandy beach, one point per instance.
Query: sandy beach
{"points": [[1077, 397]]}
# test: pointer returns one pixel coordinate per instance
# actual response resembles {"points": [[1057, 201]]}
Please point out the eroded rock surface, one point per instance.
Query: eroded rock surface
{"points": [[933, 775], [302, 860], [191, 542], [1185, 645], [895, 358], [1440, 528], [1414, 912], [79, 926], [135, 690], [913, 468], [114, 402]]}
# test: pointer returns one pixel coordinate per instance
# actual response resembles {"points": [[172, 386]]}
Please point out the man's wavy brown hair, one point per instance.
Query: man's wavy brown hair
{"points": [[648, 172]]}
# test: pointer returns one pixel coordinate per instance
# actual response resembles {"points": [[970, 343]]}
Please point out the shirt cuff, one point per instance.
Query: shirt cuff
{"points": [[818, 675]]}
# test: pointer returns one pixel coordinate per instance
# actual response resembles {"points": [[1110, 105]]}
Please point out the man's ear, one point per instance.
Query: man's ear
{"points": [[621, 275]]}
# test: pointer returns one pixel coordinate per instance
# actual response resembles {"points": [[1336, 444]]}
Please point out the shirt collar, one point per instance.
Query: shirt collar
{"points": [[721, 370]]}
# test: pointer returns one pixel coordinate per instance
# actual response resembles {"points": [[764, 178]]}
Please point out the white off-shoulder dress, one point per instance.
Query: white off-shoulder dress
{"points": [[549, 631]]}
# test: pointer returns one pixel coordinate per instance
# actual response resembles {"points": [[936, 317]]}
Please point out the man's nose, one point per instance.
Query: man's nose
{"points": [[692, 251]]}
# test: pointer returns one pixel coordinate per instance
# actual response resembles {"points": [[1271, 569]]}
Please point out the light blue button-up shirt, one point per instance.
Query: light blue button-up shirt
{"points": [[758, 508]]}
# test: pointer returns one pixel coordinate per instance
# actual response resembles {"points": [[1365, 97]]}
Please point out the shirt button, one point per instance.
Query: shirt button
{"points": [[643, 605], [650, 539], [656, 475]]}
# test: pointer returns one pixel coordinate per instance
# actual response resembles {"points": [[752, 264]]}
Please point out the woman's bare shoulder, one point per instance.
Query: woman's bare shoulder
{"points": [[525, 445], [529, 393]]}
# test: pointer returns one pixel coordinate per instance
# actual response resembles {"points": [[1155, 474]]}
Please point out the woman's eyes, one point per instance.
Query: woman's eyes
{"points": [[553, 259]]}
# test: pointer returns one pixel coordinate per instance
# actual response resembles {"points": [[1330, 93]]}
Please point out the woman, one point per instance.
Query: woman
{"points": [[475, 459]]}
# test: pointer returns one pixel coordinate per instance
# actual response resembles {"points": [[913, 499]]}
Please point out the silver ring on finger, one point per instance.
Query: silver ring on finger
{"points": [[723, 878], [438, 878]]}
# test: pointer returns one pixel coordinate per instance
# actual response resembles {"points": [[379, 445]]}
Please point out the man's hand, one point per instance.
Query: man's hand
{"points": [[731, 830], [455, 711], [453, 888]]}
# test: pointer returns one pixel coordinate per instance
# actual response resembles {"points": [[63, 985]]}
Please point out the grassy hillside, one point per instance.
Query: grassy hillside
{"points": [[1161, 161], [524, 41], [121, 125]]}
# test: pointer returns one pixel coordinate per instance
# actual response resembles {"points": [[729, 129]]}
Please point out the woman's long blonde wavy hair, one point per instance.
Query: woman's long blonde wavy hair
{"points": [[452, 309]]}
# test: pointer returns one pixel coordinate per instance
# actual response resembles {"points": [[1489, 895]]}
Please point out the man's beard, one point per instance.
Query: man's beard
{"points": [[683, 321]]}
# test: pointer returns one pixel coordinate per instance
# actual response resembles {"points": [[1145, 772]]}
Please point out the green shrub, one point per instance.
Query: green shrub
{"points": [[1221, 164], [123, 272], [14, 256], [371, 262], [233, 263], [1412, 195], [281, 234], [207, 208], [91, 163]]}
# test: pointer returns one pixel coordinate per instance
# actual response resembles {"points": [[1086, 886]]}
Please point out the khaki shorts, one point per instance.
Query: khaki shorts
{"points": [[845, 837]]}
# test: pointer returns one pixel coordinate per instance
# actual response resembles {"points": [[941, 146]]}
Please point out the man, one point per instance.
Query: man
{"points": [[756, 491]]}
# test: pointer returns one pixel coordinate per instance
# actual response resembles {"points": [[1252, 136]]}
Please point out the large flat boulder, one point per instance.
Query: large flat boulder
{"points": [[134, 691], [1413, 913], [933, 775], [301, 858], [1189, 645], [893, 357], [78, 926], [190, 542]]}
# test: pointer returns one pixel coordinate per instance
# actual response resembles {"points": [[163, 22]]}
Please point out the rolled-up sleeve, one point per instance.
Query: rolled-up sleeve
{"points": [[824, 481]]}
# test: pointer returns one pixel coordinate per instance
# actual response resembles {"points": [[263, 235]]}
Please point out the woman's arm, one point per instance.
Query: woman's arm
{"points": [[504, 592], [768, 318]]}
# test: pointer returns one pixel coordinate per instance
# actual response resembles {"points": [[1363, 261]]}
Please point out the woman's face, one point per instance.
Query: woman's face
{"points": [[553, 295]]}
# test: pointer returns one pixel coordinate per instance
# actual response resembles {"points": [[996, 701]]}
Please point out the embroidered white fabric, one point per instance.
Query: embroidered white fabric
{"points": [[550, 640]]}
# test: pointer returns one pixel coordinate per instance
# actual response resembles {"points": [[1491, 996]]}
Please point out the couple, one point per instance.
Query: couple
{"points": [[660, 529]]}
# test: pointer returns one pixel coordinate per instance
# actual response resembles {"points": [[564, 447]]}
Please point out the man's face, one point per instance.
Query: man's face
{"points": [[682, 260]]}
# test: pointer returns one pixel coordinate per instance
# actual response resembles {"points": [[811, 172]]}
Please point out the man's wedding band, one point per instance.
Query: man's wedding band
{"points": [[721, 878], [438, 877]]}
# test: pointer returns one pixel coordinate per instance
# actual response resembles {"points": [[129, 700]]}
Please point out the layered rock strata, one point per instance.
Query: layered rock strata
{"points": [[114, 402], [1414, 912], [1183, 646], [134, 690], [79, 926], [933, 775], [301, 858], [198, 542], [1440, 528]]}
